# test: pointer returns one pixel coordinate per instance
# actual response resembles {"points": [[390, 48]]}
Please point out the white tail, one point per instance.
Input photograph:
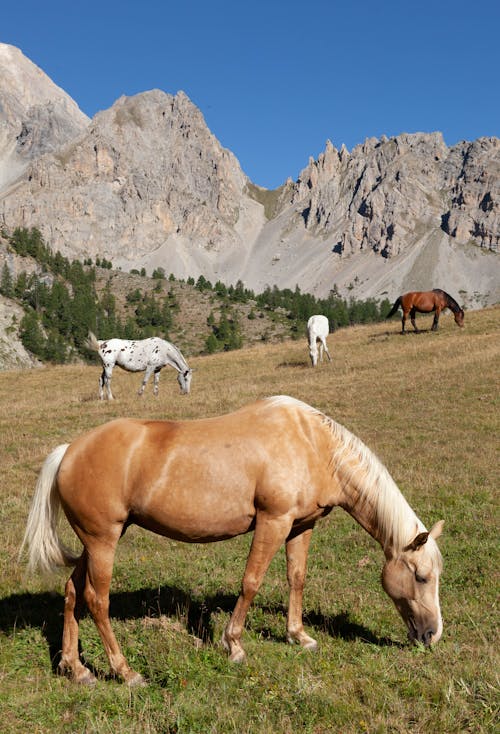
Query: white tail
{"points": [[92, 342], [46, 551]]}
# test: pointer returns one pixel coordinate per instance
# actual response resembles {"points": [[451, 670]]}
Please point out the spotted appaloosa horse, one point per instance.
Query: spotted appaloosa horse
{"points": [[274, 467], [317, 331], [149, 355], [426, 302]]}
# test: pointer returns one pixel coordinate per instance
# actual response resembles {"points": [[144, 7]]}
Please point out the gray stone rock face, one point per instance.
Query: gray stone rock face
{"points": [[474, 213], [36, 116], [380, 195], [146, 184]]}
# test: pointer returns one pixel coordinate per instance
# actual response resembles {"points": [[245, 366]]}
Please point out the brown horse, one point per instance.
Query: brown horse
{"points": [[273, 467], [426, 302]]}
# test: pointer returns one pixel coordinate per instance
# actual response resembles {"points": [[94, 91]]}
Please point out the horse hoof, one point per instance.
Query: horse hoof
{"points": [[136, 681], [311, 645], [305, 642], [85, 679], [237, 657]]}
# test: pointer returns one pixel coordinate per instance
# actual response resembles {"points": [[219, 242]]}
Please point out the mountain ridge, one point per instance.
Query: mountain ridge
{"points": [[147, 184]]}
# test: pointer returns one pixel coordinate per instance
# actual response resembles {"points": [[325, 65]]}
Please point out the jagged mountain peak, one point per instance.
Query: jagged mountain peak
{"points": [[147, 184], [36, 116]]}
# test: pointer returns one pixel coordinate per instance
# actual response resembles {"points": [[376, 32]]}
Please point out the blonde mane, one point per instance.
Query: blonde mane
{"points": [[354, 462]]}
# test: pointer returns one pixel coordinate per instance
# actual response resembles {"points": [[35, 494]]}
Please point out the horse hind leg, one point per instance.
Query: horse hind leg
{"points": [[412, 317], [269, 534], [100, 557], [297, 548], [326, 349], [105, 381], [102, 382], [70, 663]]}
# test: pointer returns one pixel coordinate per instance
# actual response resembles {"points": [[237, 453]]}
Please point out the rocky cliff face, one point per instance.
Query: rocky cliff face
{"points": [[36, 116], [146, 184], [381, 194]]}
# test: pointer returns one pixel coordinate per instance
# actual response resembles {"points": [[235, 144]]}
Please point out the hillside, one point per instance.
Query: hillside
{"points": [[54, 302], [426, 404], [190, 310], [146, 184], [189, 330]]}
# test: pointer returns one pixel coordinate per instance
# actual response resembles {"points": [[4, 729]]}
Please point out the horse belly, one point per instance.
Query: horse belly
{"points": [[133, 363], [193, 492], [182, 513]]}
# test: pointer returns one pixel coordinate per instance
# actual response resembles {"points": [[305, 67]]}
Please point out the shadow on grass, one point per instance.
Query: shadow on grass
{"points": [[408, 332], [297, 364], [44, 611]]}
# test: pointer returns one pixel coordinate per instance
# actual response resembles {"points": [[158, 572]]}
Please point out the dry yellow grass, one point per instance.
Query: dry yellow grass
{"points": [[426, 403]]}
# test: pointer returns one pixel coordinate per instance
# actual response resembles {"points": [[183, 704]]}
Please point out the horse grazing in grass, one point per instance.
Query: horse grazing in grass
{"points": [[425, 302], [274, 467], [149, 355], [317, 331]]}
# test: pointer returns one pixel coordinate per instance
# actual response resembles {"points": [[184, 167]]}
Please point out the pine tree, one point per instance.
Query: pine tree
{"points": [[6, 282], [31, 334]]}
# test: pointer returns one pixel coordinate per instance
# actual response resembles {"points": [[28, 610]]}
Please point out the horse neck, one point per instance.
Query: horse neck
{"points": [[175, 359], [370, 495], [451, 303]]}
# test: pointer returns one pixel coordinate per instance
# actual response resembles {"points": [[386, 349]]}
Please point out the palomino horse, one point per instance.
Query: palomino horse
{"points": [[317, 331], [425, 302], [273, 467], [150, 355]]}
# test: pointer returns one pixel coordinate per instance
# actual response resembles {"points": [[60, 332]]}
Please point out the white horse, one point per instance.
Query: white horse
{"points": [[317, 331], [149, 355]]}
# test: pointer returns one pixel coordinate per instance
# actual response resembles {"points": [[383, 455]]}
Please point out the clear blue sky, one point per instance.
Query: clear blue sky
{"points": [[276, 79]]}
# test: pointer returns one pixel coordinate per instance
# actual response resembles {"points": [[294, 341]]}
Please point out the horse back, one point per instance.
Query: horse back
{"points": [[196, 481], [423, 301]]}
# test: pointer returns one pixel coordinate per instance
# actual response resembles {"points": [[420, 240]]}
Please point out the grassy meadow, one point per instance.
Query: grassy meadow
{"points": [[426, 403]]}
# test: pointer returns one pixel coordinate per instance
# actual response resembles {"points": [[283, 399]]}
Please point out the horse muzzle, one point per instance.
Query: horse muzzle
{"points": [[428, 637]]}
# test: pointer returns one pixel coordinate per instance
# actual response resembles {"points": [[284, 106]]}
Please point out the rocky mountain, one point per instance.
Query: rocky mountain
{"points": [[146, 184], [36, 116]]}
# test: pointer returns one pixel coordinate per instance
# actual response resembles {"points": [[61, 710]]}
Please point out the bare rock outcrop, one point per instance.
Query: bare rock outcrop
{"points": [[145, 172], [146, 184], [474, 213], [36, 116], [382, 195]]}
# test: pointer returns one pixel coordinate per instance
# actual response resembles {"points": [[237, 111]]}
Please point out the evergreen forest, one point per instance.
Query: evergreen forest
{"points": [[61, 304]]}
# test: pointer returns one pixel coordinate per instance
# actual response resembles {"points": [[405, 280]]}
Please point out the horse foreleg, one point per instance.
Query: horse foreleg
{"points": [[313, 353], [70, 663], [98, 580], [436, 320], [269, 534], [156, 381], [297, 548], [147, 375]]}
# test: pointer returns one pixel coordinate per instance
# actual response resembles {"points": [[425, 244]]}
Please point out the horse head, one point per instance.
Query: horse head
{"points": [[411, 579], [313, 354], [184, 378], [459, 317]]}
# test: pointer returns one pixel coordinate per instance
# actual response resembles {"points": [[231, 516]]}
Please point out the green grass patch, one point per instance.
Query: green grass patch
{"points": [[426, 404]]}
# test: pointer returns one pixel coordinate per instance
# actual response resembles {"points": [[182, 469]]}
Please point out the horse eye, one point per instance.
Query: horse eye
{"points": [[420, 579]]}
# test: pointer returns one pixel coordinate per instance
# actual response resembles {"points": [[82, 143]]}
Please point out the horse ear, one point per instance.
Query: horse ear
{"points": [[436, 529], [417, 542]]}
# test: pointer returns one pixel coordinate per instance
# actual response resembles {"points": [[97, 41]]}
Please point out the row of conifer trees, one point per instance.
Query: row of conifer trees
{"points": [[61, 304]]}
